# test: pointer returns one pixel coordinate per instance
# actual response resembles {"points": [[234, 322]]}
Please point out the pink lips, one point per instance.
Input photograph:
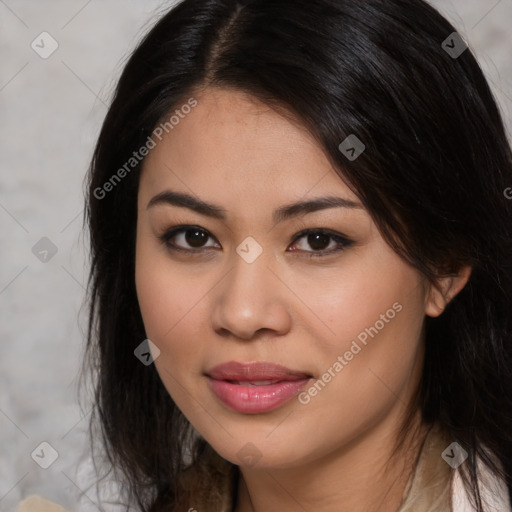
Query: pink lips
{"points": [[255, 387]]}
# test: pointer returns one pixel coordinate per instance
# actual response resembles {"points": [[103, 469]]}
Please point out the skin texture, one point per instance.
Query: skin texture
{"points": [[329, 454]]}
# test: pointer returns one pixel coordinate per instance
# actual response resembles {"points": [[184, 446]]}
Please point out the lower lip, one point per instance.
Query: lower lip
{"points": [[255, 399]]}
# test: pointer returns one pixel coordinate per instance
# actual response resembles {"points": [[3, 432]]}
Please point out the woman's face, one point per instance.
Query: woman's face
{"points": [[248, 287]]}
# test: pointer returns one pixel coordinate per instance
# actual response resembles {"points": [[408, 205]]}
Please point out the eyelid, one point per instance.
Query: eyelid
{"points": [[334, 235]]}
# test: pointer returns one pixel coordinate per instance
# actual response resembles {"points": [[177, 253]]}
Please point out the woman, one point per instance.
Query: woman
{"points": [[301, 283]]}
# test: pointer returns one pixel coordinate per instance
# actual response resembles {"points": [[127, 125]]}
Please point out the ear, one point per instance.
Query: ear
{"points": [[444, 290]]}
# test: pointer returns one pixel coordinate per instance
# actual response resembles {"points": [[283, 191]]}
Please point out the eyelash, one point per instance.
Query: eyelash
{"points": [[343, 241]]}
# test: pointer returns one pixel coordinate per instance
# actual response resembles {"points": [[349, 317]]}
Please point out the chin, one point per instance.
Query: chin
{"points": [[251, 453]]}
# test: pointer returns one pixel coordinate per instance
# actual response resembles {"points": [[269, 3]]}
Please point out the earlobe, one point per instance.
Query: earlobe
{"points": [[445, 290]]}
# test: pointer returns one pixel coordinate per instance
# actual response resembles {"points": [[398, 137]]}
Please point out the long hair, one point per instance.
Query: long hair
{"points": [[432, 176]]}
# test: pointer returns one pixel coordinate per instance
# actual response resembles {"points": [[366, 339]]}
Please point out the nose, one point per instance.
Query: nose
{"points": [[251, 299]]}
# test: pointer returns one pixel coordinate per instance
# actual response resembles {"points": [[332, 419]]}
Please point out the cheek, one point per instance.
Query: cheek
{"points": [[163, 302], [363, 294], [164, 307], [171, 307], [375, 316], [157, 292]]}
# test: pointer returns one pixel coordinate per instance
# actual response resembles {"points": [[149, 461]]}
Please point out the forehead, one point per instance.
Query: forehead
{"points": [[232, 147]]}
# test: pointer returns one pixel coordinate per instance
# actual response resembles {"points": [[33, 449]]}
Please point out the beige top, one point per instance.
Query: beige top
{"points": [[436, 487], [38, 504], [433, 486]]}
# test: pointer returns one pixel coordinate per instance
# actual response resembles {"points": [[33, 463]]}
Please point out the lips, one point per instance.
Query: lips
{"points": [[255, 387], [256, 372], [254, 383]]}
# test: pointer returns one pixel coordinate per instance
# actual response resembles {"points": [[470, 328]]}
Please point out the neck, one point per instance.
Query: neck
{"points": [[359, 477]]}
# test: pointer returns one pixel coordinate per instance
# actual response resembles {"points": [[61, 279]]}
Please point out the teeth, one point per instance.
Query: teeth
{"points": [[255, 383]]}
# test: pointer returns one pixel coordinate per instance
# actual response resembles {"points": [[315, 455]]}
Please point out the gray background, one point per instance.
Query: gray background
{"points": [[51, 112]]}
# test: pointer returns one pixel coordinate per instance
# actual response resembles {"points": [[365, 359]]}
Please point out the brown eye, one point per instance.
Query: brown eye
{"points": [[195, 238], [319, 240], [186, 238]]}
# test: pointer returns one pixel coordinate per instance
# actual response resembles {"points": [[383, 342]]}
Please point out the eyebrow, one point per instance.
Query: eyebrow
{"points": [[281, 214]]}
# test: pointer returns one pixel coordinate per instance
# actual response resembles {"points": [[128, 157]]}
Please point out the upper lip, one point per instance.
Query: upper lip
{"points": [[254, 371]]}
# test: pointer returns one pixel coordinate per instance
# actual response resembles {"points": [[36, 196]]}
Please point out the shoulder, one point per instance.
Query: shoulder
{"points": [[37, 504], [494, 492]]}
